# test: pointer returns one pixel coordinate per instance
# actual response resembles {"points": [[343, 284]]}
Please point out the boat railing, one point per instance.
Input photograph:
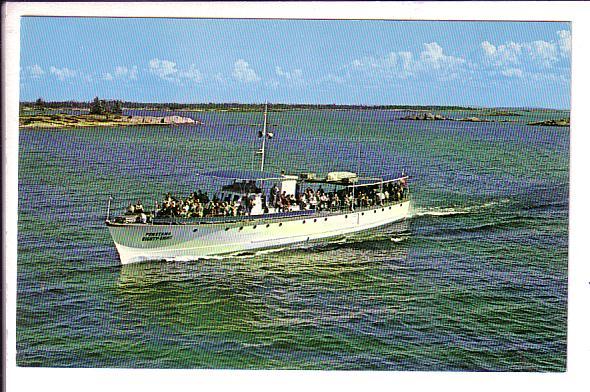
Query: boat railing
{"points": [[287, 215]]}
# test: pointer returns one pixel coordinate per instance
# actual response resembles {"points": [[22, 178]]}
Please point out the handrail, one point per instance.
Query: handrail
{"points": [[378, 182], [287, 216]]}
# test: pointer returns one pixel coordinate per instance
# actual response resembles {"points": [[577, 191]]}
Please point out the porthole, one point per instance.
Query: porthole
{"points": [[315, 220], [280, 224], [194, 230], [242, 228], [255, 226], [375, 211], [325, 219], [227, 228], [268, 225], [362, 213], [400, 205], [390, 207], [303, 222], [346, 216], [383, 209]]}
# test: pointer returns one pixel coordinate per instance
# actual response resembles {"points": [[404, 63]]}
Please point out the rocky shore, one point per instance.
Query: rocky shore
{"points": [[564, 122], [89, 120], [424, 117], [438, 117], [502, 114]]}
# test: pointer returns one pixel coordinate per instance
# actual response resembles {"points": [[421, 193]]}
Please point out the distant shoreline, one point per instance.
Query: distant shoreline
{"points": [[243, 107], [59, 118]]}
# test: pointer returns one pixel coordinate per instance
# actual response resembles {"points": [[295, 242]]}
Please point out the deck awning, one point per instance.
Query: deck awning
{"points": [[374, 181], [242, 175]]}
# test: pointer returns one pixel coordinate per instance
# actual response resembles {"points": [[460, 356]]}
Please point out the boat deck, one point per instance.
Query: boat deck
{"points": [[278, 216]]}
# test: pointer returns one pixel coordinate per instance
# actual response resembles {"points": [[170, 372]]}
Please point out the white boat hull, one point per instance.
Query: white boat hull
{"points": [[137, 242]]}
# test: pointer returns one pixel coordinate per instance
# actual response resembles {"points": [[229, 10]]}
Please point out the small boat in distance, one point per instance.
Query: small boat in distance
{"points": [[249, 215]]}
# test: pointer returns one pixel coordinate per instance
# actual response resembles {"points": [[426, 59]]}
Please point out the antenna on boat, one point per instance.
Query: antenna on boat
{"points": [[109, 209], [264, 135]]}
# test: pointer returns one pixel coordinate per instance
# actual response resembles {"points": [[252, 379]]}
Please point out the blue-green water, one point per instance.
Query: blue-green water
{"points": [[475, 279]]}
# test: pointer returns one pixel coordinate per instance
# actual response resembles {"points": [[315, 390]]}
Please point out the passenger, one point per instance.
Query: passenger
{"points": [[274, 192], [381, 197], [246, 204], [350, 202], [252, 202], [301, 202], [286, 203], [335, 201], [292, 201], [313, 201], [324, 200]]}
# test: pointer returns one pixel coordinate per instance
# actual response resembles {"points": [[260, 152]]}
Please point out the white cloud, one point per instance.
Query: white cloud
{"points": [[219, 78], [488, 48], [192, 74], [35, 71], [63, 73], [372, 63], [390, 66], [564, 42], [124, 72], [243, 72], [108, 76], [405, 59], [533, 55], [543, 52], [502, 54], [403, 64], [166, 69], [513, 72], [292, 77], [433, 57]]}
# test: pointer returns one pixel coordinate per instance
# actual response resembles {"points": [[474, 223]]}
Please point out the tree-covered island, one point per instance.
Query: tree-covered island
{"points": [[96, 113], [99, 112]]}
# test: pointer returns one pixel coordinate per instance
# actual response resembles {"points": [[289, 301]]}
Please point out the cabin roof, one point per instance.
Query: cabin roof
{"points": [[253, 175], [242, 175], [366, 181]]}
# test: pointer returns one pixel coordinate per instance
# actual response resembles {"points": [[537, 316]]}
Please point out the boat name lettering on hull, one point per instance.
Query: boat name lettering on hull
{"points": [[157, 236]]}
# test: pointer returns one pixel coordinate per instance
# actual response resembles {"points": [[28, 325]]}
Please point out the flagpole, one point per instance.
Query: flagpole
{"points": [[264, 136]]}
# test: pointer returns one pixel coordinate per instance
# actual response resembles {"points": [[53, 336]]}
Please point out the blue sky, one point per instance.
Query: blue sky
{"points": [[297, 61]]}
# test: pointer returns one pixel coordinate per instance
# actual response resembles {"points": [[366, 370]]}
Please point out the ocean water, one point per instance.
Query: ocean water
{"points": [[474, 280]]}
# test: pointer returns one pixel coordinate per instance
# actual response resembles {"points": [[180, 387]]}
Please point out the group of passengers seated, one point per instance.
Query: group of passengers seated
{"points": [[134, 209], [320, 200], [369, 196], [137, 211], [199, 205]]}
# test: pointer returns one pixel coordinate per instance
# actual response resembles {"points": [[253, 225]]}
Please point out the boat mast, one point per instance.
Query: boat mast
{"points": [[109, 209], [262, 151]]}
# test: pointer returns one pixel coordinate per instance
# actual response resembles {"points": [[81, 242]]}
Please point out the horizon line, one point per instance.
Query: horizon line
{"points": [[305, 104]]}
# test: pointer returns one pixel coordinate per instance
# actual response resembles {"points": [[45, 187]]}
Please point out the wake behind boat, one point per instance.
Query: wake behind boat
{"points": [[251, 214]]}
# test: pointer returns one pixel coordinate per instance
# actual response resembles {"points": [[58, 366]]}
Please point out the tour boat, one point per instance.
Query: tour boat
{"points": [[267, 218]]}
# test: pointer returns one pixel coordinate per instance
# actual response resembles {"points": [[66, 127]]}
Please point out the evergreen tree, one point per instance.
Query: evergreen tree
{"points": [[117, 108], [97, 106], [39, 103]]}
